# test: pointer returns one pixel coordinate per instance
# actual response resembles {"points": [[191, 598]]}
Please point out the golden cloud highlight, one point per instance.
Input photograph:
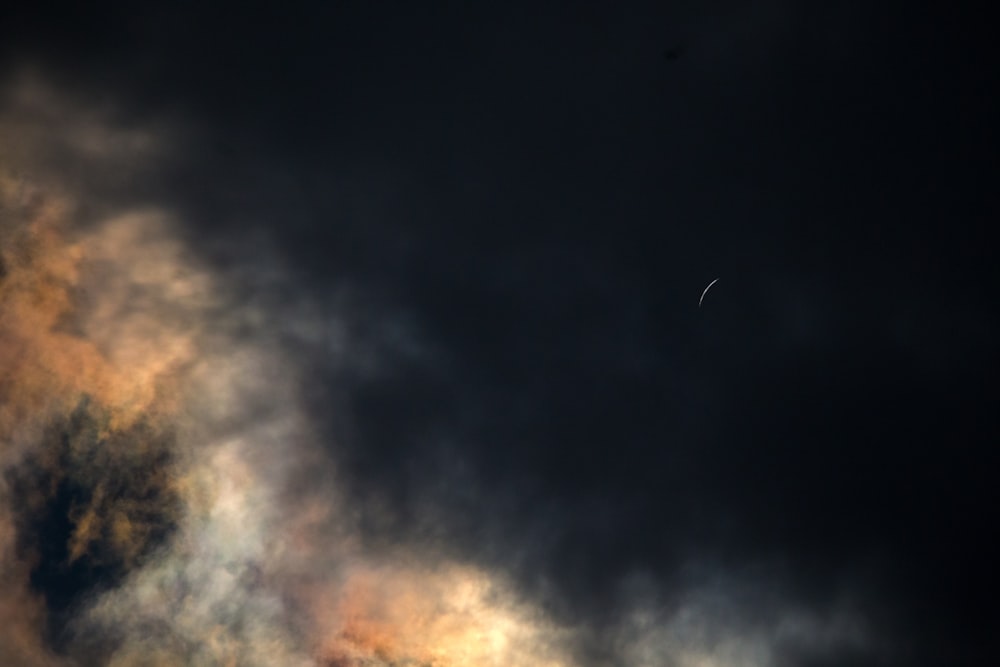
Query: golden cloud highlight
{"points": [[153, 447]]}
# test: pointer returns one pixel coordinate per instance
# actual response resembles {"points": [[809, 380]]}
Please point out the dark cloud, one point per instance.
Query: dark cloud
{"points": [[89, 510], [489, 229]]}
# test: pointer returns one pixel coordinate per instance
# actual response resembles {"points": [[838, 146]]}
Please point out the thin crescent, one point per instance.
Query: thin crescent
{"points": [[706, 291]]}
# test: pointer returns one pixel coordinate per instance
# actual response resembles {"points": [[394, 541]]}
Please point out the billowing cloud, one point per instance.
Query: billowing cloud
{"points": [[153, 439], [167, 498]]}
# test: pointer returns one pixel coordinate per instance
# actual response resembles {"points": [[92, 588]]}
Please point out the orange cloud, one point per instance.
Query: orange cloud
{"points": [[446, 615], [120, 377]]}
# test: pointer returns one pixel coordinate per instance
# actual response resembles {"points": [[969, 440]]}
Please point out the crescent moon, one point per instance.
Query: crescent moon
{"points": [[706, 291]]}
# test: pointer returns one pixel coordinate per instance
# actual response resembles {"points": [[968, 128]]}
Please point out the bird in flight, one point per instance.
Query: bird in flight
{"points": [[706, 291]]}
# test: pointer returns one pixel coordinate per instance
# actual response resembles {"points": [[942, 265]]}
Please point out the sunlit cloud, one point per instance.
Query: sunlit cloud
{"points": [[165, 496], [152, 429]]}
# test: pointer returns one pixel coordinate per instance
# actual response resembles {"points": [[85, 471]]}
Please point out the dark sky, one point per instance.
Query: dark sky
{"points": [[520, 204]]}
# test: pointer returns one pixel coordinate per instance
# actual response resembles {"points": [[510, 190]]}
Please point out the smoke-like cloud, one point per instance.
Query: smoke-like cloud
{"points": [[165, 496], [721, 619], [152, 440]]}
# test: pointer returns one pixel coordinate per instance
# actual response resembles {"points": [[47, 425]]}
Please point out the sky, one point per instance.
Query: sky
{"points": [[368, 335]]}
